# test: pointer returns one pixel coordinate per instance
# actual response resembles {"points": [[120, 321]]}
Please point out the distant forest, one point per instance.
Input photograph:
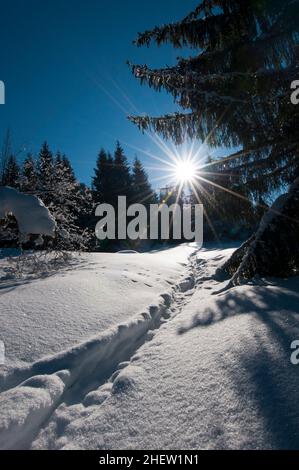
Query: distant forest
{"points": [[51, 177]]}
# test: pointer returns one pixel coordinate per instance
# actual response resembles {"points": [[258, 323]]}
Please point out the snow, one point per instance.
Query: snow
{"points": [[90, 294], [24, 408], [277, 208], [187, 368], [31, 214]]}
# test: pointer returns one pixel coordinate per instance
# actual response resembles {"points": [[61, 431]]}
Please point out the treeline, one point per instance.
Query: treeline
{"points": [[231, 207], [72, 204], [113, 177], [51, 177]]}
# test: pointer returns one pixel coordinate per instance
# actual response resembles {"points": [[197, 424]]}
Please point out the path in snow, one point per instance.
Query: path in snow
{"points": [[32, 393], [217, 375], [196, 370], [91, 294]]}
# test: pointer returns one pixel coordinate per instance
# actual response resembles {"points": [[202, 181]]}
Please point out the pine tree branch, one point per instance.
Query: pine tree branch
{"points": [[216, 30]]}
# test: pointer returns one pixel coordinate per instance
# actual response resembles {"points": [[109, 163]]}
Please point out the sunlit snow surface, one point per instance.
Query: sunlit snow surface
{"points": [[191, 369]]}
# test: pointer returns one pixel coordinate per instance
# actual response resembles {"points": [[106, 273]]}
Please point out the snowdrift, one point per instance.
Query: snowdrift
{"points": [[32, 215]]}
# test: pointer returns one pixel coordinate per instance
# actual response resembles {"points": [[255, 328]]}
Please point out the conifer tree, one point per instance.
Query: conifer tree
{"points": [[226, 215], [142, 191], [69, 204], [104, 183], [122, 181], [69, 173], [11, 173], [45, 169], [58, 170], [66, 199], [235, 92], [6, 152], [29, 175], [111, 183], [101, 177], [8, 226], [10, 176]]}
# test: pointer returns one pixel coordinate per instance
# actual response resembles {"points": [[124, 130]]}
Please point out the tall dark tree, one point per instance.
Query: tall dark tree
{"points": [[69, 173], [29, 174], [104, 184], [11, 173], [6, 152], [58, 169], [236, 93], [142, 191], [45, 169], [122, 181], [101, 178]]}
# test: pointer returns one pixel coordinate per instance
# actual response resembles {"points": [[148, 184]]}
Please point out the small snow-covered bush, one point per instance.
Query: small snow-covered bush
{"points": [[31, 214], [35, 263]]}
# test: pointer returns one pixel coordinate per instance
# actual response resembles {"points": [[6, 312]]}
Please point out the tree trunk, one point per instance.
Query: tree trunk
{"points": [[274, 249]]}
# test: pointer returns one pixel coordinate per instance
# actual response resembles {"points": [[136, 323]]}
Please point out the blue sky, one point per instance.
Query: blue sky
{"points": [[63, 64]]}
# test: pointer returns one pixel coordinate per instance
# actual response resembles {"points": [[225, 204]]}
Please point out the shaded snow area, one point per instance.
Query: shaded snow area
{"points": [[116, 364]]}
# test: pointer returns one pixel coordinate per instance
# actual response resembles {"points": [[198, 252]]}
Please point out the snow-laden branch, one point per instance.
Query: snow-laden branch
{"points": [[32, 215]]}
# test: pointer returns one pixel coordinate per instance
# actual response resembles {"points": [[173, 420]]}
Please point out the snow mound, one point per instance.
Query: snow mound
{"points": [[84, 368], [99, 355], [32, 215], [25, 407]]}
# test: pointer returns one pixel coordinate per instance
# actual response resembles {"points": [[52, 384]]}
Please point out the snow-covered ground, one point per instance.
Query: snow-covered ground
{"points": [[41, 315], [191, 369]]}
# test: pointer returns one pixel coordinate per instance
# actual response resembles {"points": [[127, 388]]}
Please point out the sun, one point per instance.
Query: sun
{"points": [[185, 171]]}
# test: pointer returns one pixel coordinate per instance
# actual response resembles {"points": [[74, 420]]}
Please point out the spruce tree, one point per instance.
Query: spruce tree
{"points": [[8, 226], [235, 92], [6, 152], [228, 214], [68, 169], [67, 200], [11, 173], [122, 180], [58, 170], [101, 178], [111, 183], [29, 175], [45, 169], [70, 203], [142, 192], [10, 176]]}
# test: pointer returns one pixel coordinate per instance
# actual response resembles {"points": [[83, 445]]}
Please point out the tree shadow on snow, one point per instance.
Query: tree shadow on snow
{"points": [[259, 300], [269, 384], [264, 375]]}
